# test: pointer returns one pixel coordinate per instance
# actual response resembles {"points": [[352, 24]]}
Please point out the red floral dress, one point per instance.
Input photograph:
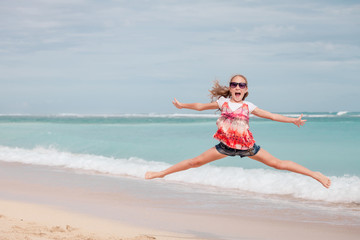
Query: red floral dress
{"points": [[233, 127]]}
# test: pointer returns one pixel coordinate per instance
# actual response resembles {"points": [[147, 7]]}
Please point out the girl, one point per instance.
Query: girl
{"points": [[233, 132]]}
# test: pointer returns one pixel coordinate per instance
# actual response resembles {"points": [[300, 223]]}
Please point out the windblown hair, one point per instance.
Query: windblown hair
{"points": [[218, 91]]}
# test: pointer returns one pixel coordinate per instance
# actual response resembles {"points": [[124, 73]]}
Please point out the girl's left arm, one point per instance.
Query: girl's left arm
{"points": [[278, 117]]}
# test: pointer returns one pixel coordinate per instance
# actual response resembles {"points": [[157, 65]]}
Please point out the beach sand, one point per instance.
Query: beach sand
{"points": [[44, 203], [19, 221]]}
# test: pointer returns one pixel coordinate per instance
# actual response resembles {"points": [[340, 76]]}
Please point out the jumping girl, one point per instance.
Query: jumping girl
{"points": [[233, 132]]}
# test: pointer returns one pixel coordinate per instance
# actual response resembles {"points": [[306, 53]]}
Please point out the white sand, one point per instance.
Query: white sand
{"points": [[31, 221]]}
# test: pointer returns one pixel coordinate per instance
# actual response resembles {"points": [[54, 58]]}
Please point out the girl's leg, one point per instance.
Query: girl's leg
{"points": [[266, 158], [208, 156]]}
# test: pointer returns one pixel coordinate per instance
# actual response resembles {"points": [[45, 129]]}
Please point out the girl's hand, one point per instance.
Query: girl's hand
{"points": [[299, 122], [177, 104]]}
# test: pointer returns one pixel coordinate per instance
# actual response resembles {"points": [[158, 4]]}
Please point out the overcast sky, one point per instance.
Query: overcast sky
{"points": [[113, 57]]}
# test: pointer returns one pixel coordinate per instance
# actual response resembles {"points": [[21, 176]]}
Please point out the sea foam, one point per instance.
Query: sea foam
{"points": [[344, 189]]}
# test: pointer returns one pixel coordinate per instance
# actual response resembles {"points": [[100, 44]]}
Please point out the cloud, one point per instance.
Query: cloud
{"points": [[92, 45]]}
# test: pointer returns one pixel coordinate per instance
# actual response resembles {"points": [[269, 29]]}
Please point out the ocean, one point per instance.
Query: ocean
{"points": [[128, 145]]}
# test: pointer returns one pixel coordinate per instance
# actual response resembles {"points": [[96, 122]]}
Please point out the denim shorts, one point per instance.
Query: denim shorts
{"points": [[223, 149]]}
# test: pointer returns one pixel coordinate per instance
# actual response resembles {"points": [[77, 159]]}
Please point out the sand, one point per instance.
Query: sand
{"points": [[42, 203], [20, 220]]}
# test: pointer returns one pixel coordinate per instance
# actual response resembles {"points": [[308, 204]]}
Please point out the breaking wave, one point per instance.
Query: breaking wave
{"points": [[344, 189]]}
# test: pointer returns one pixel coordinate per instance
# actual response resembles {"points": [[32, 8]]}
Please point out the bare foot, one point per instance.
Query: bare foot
{"points": [[151, 175], [324, 180]]}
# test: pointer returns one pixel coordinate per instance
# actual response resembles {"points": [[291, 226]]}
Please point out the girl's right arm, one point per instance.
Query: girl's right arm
{"points": [[196, 106]]}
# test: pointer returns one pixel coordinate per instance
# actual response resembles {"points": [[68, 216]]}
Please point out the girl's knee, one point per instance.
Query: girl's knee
{"points": [[279, 164], [195, 162]]}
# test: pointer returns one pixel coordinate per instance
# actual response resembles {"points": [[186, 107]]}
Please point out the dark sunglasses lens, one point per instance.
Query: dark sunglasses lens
{"points": [[233, 84]]}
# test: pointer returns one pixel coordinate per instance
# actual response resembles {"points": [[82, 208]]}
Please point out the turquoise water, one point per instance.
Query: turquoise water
{"points": [[329, 144], [132, 144]]}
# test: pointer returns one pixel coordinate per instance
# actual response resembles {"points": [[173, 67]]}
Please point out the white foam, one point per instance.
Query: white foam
{"points": [[345, 189], [341, 113], [51, 157]]}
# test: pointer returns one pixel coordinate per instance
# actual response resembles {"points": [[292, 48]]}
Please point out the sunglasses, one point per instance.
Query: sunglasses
{"points": [[235, 84]]}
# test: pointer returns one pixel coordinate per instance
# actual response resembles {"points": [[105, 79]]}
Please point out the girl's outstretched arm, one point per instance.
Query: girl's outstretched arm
{"points": [[196, 106], [278, 117]]}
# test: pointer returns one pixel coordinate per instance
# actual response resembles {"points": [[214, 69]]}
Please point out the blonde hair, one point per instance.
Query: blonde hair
{"points": [[218, 91]]}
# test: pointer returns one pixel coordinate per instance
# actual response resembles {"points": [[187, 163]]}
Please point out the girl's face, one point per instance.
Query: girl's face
{"points": [[238, 88]]}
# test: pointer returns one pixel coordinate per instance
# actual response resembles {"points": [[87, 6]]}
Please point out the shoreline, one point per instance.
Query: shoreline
{"points": [[135, 209]]}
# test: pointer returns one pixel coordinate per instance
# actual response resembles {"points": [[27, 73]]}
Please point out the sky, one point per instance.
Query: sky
{"points": [[116, 57]]}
